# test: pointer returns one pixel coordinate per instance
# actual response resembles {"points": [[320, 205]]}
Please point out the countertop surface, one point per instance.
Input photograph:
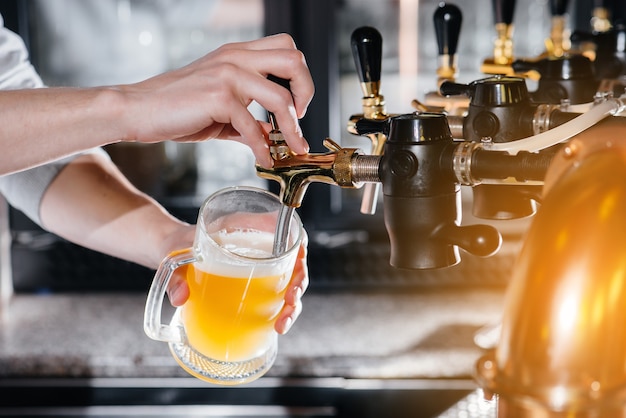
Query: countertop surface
{"points": [[375, 336], [402, 333]]}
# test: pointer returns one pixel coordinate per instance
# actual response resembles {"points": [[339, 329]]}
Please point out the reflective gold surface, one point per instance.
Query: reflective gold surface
{"points": [[562, 350]]}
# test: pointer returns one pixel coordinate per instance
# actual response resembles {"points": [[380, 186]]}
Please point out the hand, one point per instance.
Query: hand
{"points": [[178, 291], [209, 98], [293, 297]]}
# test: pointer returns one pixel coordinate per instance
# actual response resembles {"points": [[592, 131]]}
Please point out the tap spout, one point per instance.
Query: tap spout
{"points": [[295, 172]]}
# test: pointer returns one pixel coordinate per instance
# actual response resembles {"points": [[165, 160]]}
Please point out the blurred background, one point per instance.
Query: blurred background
{"points": [[88, 43]]}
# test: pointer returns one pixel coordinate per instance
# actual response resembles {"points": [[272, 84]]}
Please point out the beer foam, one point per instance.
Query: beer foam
{"points": [[247, 243]]}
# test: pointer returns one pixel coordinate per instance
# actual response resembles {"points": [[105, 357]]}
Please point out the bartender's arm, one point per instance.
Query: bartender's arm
{"points": [[92, 204], [85, 198], [207, 99]]}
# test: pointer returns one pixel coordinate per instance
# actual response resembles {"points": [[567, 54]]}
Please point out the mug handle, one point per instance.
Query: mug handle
{"points": [[152, 316]]}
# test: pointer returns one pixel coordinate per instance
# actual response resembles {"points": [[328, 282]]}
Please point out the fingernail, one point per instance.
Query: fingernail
{"points": [[287, 325], [297, 293]]}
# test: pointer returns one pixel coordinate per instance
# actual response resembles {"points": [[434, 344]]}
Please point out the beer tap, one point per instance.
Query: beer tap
{"points": [[366, 43], [421, 195], [558, 42], [569, 78], [601, 16], [501, 110], [447, 20], [609, 49], [502, 59], [421, 168], [421, 171]]}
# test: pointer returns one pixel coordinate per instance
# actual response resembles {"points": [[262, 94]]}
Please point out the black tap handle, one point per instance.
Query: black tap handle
{"points": [[605, 4], [367, 47], [280, 81], [447, 20], [503, 11], [558, 7], [283, 82], [366, 126], [450, 88], [479, 240]]}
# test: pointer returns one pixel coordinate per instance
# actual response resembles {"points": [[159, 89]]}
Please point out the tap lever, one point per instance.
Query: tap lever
{"points": [[447, 20], [558, 43], [503, 11], [364, 126], [367, 45], [480, 240], [450, 88], [558, 7], [500, 63], [280, 81], [283, 83]]}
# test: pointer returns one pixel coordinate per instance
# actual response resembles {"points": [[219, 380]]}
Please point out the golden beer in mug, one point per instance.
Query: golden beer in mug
{"points": [[224, 333]]}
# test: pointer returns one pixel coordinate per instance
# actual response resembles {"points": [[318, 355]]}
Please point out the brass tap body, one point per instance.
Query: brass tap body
{"points": [[295, 172]]}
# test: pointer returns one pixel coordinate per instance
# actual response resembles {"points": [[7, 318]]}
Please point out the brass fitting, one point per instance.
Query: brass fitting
{"points": [[295, 172]]}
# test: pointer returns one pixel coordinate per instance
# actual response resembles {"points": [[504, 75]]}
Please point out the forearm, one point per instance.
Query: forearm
{"points": [[91, 204], [41, 125]]}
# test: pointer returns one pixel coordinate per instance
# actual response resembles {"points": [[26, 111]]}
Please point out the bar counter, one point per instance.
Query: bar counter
{"points": [[403, 334]]}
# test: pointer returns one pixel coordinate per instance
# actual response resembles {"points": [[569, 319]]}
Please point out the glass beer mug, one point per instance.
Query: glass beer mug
{"points": [[224, 333]]}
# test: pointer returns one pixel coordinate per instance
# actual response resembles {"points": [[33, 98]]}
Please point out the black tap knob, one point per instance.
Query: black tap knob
{"points": [[447, 20], [367, 45], [558, 7], [480, 240], [450, 88], [503, 11]]}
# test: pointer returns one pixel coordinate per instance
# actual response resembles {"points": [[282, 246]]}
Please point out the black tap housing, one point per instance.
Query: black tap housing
{"points": [[422, 200]]}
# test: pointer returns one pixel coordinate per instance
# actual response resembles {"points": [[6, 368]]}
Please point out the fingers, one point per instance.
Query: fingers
{"points": [[288, 316], [178, 290], [252, 135], [278, 56], [291, 65], [293, 297]]}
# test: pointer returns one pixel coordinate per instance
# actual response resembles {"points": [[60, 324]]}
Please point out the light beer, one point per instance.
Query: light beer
{"points": [[231, 309]]}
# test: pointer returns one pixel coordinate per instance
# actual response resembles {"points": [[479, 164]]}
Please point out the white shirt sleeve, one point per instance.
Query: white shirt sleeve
{"points": [[24, 190]]}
